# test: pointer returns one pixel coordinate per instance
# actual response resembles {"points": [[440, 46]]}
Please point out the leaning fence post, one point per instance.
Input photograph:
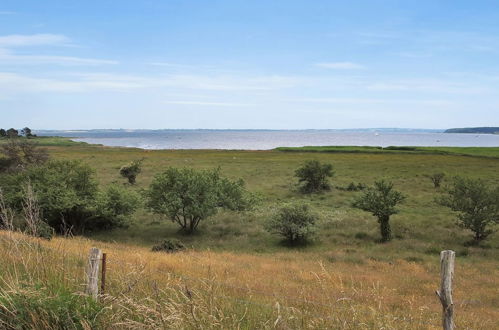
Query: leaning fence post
{"points": [[447, 258], [103, 275], [92, 272]]}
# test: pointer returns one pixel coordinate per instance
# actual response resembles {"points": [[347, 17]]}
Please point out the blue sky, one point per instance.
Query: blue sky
{"points": [[248, 64]]}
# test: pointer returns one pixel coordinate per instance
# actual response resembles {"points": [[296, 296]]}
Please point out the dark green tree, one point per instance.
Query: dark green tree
{"points": [[436, 179], [381, 200], [314, 176], [476, 204], [3, 133]]}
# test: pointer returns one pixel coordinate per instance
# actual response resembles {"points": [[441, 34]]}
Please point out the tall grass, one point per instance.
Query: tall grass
{"points": [[42, 283]]}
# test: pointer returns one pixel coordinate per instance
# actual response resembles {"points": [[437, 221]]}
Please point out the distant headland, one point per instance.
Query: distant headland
{"points": [[479, 130]]}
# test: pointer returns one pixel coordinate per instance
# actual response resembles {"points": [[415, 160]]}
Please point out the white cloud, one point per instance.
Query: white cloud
{"points": [[340, 65], [373, 101], [20, 40]]}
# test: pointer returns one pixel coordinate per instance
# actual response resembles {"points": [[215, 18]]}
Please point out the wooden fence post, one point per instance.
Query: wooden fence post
{"points": [[103, 275], [92, 272], [447, 258]]}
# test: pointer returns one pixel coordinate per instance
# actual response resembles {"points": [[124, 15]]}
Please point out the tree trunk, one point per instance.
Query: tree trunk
{"points": [[386, 232]]}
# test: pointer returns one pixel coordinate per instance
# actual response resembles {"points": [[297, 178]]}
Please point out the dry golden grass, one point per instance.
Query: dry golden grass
{"points": [[227, 290]]}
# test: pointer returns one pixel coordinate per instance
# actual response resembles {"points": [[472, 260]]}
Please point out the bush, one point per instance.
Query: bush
{"points": [[131, 170], [115, 205], [476, 203], [20, 154], [437, 179], [315, 176], [381, 200], [294, 222], [188, 196], [169, 245], [68, 197]]}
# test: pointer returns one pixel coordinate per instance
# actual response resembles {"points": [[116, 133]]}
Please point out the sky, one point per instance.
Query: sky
{"points": [[235, 64]]}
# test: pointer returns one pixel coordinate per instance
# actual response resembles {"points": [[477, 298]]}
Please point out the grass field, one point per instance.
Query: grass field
{"points": [[385, 285]]}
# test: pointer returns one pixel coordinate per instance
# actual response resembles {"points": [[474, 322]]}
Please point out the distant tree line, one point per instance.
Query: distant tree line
{"points": [[13, 133]]}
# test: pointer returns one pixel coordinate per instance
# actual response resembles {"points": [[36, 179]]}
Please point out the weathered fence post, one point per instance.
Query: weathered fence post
{"points": [[103, 274], [447, 258], [92, 272]]}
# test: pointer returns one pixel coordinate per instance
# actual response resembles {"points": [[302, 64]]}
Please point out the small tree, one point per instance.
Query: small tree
{"points": [[131, 170], [3, 133], [26, 132], [315, 176], [477, 205], [12, 133], [188, 196], [381, 200], [437, 179], [294, 222]]}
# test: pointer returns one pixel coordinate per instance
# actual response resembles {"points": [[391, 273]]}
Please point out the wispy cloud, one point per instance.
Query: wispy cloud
{"points": [[9, 58], [6, 12], [202, 103], [13, 41], [340, 65], [341, 100], [20, 40]]}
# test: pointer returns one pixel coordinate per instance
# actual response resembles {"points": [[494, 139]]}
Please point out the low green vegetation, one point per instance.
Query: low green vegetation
{"points": [[492, 152]]}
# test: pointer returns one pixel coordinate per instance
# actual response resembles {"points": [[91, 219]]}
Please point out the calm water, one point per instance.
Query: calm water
{"points": [[265, 139]]}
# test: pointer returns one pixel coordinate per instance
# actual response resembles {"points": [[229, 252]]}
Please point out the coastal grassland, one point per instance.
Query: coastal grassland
{"points": [[207, 289], [370, 285]]}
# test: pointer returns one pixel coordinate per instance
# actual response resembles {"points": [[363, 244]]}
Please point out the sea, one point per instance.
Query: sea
{"points": [[270, 139]]}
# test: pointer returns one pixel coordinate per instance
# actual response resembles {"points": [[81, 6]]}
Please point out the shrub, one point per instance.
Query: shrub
{"points": [[131, 170], [294, 222], [68, 197], [381, 200], [437, 179], [476, 204], [188, 196], [114, 207], [21, 153], [314, 176], [169, 245]]}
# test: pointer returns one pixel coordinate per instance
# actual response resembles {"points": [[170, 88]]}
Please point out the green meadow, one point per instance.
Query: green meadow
{"points": [[421, 229]]}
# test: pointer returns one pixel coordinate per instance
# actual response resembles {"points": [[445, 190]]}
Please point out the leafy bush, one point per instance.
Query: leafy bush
{"points": [[131, 170], [294, 222], [114, 206], [315, 176], [68, 196], [476, 203], [188, 196], [381, 200], [436, 178], [169, 245]]}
